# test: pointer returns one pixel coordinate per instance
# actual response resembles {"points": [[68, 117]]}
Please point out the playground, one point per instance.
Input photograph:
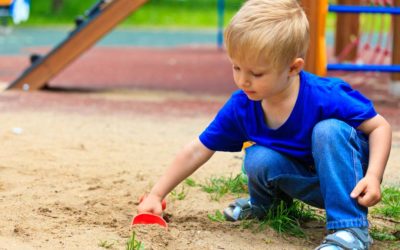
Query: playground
{"points": [[77, 155]]}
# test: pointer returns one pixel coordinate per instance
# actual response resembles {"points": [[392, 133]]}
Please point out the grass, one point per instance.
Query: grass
{"points": [[388, 209], [217, 216], [133, 243], [105, 244], [283, 219], [382, 234], [286, 220], [390, 203], [179, 195], [190, 182], [221, 186]]}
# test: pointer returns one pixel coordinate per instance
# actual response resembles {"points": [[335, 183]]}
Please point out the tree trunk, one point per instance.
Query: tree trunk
{"points": [[57, 5]]}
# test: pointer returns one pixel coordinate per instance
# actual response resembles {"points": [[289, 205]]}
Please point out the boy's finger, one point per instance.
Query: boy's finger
{"points": [[358, 190]]}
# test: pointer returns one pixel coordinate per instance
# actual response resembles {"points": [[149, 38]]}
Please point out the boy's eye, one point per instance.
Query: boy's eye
{"points": [[257, 74], [236, 68]]}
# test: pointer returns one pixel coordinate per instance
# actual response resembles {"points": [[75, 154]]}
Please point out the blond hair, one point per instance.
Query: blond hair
{"points": [[273, 31]]}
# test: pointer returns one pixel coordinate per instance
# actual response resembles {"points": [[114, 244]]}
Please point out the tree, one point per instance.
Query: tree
{"points": [[57, 5]]}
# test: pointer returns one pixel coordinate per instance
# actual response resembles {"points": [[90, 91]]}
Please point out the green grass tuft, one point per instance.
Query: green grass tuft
{"points": [[217, 216], [218, 187], [382, 235], [285, 220], [105, 244], [190, 182], [390, 204], [133, 243], [179, 195]]}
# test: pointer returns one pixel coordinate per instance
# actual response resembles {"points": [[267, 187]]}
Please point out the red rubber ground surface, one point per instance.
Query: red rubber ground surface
{"points": [[193, 70]]}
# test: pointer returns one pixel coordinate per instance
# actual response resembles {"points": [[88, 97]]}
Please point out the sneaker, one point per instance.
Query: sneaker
{"points": [[349, 238], [242, 209]]}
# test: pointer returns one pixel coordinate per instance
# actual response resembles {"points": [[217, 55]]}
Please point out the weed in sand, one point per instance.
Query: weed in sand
{"points": [[218, 187], [190, 182], [304, 212], [282, 220], [390, 204], [217, 217], [105, 244], [133, 243], [179, 195], [285, 220], [382, 234]]}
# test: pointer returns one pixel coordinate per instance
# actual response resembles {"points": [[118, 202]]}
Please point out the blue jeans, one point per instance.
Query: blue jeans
{"points": [[341, 158]]}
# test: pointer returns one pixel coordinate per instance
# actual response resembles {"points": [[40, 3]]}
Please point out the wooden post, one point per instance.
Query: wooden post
{"points": [[347, 29], [316, 59]]}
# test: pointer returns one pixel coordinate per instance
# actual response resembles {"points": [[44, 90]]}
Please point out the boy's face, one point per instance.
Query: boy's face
{"points": [[259, 80]]}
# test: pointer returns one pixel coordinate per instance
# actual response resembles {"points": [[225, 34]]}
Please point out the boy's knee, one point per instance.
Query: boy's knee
{"points": [[258, 160], [326, 130], [252, 161]]}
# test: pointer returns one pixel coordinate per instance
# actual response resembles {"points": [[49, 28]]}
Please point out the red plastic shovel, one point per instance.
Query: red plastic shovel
{"points": [[148, 218]]}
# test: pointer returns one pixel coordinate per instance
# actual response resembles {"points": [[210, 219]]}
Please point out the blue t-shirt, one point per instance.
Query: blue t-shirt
{"points": [[242, 119]]}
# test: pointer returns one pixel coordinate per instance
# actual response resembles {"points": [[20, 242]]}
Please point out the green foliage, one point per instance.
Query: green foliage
{"points": [[218, 187], [217, 216], [285, 219], [382, 234], [105, 244], [190, 182], [133, 243], [390, 204], [179, 195], [304, 212], [171, 13]]}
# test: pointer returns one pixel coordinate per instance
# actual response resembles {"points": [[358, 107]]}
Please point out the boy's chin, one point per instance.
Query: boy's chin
{"points": [[254, 98]]}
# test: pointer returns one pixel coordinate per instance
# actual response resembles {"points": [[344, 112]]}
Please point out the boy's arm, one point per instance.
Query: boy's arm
{"points": [[367, 190], [188, 160]]}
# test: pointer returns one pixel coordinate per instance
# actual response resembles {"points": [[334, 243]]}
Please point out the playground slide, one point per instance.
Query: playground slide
{"points": [[98, 21]]}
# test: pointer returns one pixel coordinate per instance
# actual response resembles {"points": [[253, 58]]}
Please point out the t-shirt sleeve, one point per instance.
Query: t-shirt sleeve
{"points": [[224, 133], [350, 106]]}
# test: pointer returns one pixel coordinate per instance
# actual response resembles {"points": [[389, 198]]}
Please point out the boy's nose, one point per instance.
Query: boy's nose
{"points": [[244, 81]]}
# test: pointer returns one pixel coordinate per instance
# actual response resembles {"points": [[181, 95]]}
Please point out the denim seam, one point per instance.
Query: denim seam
{"points": [[353, 155], [358, 222]]}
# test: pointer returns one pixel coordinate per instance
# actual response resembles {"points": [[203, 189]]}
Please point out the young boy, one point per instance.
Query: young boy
{"points": [[315, 139]]}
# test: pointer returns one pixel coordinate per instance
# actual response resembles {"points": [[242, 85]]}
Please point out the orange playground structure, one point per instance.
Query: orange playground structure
{"points": [[106, 14], [347, 27], [5, 2]]}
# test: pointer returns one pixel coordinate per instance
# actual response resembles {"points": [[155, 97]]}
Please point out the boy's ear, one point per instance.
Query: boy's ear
{"points": [[296, 67]]}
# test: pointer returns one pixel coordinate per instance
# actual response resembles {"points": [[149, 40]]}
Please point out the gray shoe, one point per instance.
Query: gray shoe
{"points": [[347, 239], [242, 209]]}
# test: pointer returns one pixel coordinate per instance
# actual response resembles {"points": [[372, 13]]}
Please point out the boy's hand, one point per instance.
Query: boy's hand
{"points": [[367, 191], [151, 204]]}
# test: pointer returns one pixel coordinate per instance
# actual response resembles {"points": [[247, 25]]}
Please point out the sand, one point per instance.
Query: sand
{"points": [[73, 166]]}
